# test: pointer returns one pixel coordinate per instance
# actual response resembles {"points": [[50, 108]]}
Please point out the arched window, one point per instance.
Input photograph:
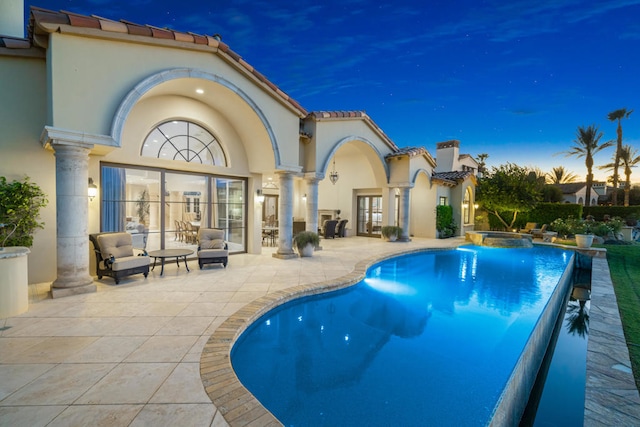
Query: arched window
{"points": [[466, 208], [183, 141]]}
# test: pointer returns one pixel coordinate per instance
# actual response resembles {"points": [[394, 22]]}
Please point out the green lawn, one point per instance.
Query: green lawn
{"points": [[624, 263]]}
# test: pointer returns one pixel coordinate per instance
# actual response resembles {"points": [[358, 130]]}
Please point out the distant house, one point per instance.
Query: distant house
{"points": [[576, 192]]}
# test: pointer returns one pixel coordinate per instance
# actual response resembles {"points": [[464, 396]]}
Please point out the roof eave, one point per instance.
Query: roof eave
{"points": [[354, 115], [213, 46]]}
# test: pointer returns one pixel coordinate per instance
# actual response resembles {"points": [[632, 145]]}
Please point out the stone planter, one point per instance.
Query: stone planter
{"points": [[391, 238], [307, 250], [627, 233], [584, 241], [14, 283]]}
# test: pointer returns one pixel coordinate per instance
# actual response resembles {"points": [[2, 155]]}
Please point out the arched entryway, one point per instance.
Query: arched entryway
{"points": [[360, 194]]}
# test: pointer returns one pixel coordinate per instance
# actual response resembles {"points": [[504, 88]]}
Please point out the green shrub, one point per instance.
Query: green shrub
{"points": [[625, 212], [444, 221], [20, 204]]}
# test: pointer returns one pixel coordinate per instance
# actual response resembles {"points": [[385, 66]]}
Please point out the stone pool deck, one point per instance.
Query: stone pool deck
{"points": [[139, 353], [611, 395]]}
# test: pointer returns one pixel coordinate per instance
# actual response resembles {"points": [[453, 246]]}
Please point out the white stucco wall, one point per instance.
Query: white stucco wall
{"points": [[109, 70], [336, 132], [22, 119], [423, 207]]}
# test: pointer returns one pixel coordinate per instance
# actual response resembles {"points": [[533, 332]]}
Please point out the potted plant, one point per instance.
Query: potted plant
{"points": [[582, 230], [391, 232], [306, 242], [20, 204]]}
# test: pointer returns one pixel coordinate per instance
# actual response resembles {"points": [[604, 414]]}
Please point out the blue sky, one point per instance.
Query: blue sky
{"points": [[511, 79]]}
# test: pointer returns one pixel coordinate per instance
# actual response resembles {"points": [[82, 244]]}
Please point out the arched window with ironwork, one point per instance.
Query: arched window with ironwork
{"points": [[466, 206], [183, 141]]}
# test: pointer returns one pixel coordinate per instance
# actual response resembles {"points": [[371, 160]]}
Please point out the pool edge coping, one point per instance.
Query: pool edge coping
{"points": [[611, 395]]}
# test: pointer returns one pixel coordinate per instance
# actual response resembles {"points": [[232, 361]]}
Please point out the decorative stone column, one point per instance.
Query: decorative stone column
{"points": [[285, 218], [312, 204], [404, 213], [72, 205]]}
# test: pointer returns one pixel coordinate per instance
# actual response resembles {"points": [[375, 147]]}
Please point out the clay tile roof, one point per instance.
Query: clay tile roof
{"points": [[453, 176], [338, 114], [409, 151], [197, 39], [83, 21], [41, 16], [354, 114], [138, 30], [161, 33], [14, 43], [571, 188]]}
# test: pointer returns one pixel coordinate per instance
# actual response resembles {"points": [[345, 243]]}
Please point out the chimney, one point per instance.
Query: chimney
{"points": [[447, 155], [12, 18]]}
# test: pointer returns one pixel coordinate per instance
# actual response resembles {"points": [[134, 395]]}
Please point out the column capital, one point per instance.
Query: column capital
{"points": [[54, 137], [402, 185], [313, 177]]}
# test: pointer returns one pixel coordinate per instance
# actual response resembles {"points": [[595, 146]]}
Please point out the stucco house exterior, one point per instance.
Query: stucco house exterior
{"points": [[576, 192], [175, 129]]}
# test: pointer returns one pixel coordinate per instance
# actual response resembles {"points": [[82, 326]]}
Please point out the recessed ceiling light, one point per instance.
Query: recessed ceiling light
{"points": [[200, 91]]}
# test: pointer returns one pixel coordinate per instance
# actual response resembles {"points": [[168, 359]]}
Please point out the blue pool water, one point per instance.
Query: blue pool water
{"points": [[424, 339]]}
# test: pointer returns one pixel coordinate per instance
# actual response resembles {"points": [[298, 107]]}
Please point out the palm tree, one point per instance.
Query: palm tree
{"points": [[587, 144], [482, 157], [618, 115], [629, 158], [560, 175]]}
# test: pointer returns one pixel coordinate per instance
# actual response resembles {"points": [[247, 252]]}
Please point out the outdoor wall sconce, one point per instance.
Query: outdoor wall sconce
{"points": [[92, 190], [259, 195], [304, 198]]}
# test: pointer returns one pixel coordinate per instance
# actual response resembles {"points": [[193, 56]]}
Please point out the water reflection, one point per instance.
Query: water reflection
{"points": [[425, 331], [577, 317]]}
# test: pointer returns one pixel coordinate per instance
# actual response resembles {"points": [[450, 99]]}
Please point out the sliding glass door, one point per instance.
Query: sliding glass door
{"points": [[164, 209]]}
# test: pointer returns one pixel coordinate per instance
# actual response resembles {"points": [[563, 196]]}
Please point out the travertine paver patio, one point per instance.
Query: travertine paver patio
{"points": [[130, 355]]}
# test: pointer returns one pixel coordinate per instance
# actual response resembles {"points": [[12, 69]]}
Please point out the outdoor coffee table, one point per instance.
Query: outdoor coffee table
{"points": [[170, 253]]}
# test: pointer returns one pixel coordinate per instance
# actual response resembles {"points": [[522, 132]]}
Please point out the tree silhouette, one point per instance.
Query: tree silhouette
{"points": [[587, 144], [613, 116], [629, 158], [559, 175]]}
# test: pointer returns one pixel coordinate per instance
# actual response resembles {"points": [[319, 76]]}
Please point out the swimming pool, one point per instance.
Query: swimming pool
{"points": [[429, 338]]}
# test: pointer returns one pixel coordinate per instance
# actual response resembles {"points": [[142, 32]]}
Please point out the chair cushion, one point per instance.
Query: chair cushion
{"points": [[211, 238], [213, 253], [130, 262], [116, 244]]}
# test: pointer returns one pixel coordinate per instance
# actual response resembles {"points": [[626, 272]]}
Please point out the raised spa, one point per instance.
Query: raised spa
{"points": [[499, 239]]}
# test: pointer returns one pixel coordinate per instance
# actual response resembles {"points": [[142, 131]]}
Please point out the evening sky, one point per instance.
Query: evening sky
{"points": [[513, 79]]}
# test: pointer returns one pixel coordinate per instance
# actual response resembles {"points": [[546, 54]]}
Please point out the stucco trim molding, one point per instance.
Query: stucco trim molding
{"points": [[132, 98], [418, 172], [351, 138], [56, 136]]}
